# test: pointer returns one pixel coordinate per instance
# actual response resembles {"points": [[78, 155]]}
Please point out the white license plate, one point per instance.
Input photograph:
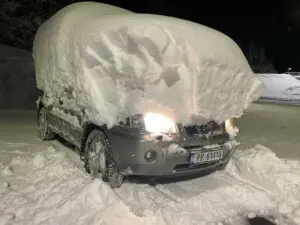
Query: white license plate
{"points": [[203, 157]]}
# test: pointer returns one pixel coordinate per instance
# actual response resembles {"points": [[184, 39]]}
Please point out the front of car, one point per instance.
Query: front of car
{"points": [[161, 147]]}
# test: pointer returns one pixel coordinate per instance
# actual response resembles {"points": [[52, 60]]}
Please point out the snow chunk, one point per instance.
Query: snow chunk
{"points": [[6, 217], [3, 185], [229, 144], [157, 137], [39, 161], [174, 148], [114, 63], [7, 171]]}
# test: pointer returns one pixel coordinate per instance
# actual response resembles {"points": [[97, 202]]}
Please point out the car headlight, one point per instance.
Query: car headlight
{"points": [[159, 123], [230, 128]]}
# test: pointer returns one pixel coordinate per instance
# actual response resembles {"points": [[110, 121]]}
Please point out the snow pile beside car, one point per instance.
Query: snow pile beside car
{"points": [[115, 63], [283, 87], [278, 178], [47, 188]]}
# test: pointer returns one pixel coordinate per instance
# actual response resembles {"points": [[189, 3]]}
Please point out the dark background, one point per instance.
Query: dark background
{"points": [[267, 31]]}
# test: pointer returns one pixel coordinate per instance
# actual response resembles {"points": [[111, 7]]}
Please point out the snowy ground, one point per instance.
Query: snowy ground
{"points": [[274, 126], [44, 183]]}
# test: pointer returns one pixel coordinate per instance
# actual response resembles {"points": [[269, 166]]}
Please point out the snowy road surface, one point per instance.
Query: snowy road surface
{"points": [[44, 183], [274, 126]]}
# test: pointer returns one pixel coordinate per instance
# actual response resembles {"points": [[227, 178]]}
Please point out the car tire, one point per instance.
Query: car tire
{"points": [[44, 131], [99, 161]]}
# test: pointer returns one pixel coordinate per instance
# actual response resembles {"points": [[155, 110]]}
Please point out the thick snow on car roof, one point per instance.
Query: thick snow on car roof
{"points": [[118, 63]]}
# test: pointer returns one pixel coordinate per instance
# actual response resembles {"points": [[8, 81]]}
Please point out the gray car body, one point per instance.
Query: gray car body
{"points": [[129, 146]]}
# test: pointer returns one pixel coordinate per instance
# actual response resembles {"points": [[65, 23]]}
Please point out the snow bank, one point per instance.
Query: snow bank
{"points": [[115, 63], [256, 182], [278, 178], [47, 188], [281, 87]]}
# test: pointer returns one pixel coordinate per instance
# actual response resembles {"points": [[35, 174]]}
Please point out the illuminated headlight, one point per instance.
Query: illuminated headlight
{"points": [[158, 123], [230, 128], [229, 124]]}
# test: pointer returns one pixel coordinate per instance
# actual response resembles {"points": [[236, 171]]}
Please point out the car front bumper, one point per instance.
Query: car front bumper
{"points": [[173, 167], [174, 163]]}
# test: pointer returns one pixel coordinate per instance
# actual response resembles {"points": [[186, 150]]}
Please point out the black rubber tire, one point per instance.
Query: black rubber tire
{"points": [[44, 132], [110, 173]]}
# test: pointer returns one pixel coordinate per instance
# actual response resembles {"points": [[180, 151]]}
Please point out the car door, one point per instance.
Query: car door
{"points": [[68, 118]]}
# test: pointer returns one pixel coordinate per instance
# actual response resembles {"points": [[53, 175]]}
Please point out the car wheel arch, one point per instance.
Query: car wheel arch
{"points": [[87, 129]]}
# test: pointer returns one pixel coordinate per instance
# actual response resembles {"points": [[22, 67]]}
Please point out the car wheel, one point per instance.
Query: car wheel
{"points": [[44, 132], [99, 161]]}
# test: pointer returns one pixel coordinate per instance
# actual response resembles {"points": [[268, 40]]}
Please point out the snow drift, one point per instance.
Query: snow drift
{"points": [[46, 187], [281, 87], [114, 63]]}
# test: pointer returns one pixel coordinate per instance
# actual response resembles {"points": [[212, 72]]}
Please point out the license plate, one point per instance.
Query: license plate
{"points": [[203, 157]]}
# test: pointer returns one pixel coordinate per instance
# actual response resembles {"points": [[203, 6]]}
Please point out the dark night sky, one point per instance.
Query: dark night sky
{"points": [[275, 24]]}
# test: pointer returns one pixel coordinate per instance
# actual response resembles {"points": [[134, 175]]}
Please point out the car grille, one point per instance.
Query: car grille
{"points": [[183, 167], [211, 128], [201, 147]]}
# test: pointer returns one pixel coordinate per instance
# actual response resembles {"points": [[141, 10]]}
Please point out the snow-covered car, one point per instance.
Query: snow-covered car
{"points": [[130, 149], [140, 94]]}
